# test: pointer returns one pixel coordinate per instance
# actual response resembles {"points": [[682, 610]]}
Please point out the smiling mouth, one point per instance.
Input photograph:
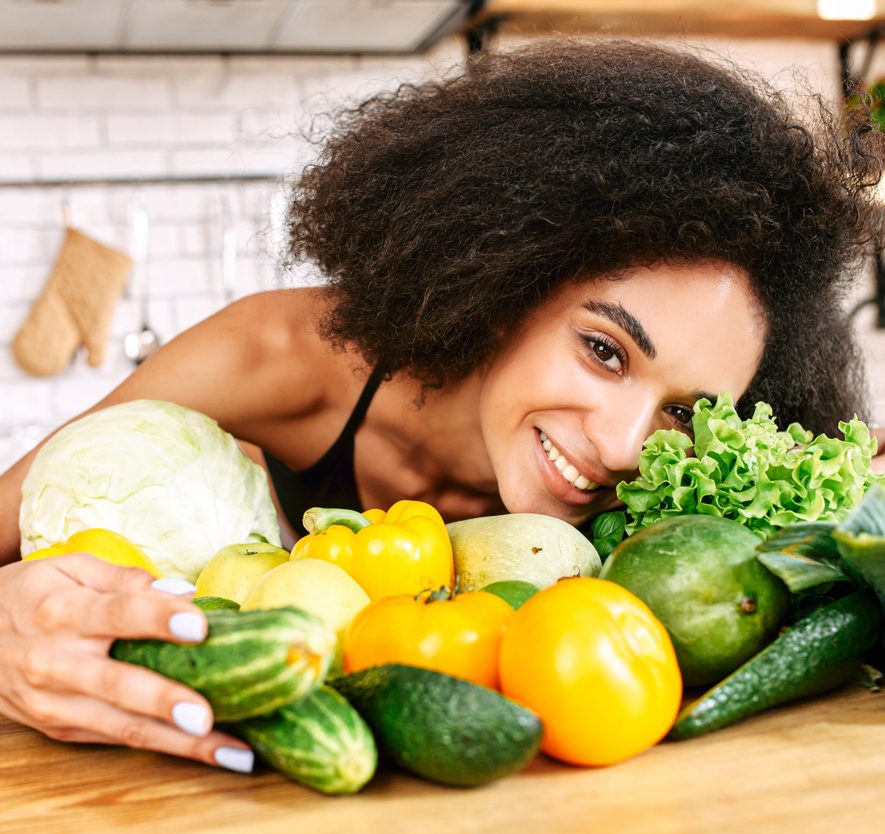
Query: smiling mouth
{"points": [[569, 472]]}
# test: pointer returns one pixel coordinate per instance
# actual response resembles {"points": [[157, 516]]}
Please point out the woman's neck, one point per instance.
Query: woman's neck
{"points": [[436, 446]]}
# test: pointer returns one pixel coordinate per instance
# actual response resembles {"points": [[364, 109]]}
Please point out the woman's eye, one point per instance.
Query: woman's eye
{"points": [[682, 415], [605, 353]]}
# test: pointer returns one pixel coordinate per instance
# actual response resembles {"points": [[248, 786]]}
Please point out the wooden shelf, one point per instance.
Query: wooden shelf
{"points": [[768, 19]]}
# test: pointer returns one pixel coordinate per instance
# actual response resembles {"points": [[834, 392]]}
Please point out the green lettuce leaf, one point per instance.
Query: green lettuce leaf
{"points": [[750, 471]]}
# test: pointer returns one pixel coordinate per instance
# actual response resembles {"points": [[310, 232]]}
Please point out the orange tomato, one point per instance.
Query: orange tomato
{"points": [[596, 665], [459, 636]]}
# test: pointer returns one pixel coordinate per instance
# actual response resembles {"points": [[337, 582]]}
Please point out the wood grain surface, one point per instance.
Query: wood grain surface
{"points": [[812, 767]]}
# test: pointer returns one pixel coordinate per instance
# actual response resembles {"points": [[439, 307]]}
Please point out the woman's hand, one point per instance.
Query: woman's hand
{"points": [[58, 619]]}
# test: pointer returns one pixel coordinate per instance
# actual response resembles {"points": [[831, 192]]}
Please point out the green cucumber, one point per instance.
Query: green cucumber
{"points": [[320, 742], [251, 662], [820, 652], [442, 728]]}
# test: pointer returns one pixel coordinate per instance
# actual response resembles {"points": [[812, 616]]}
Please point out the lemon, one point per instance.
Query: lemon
{"points": [[313, 585], [233, 571]]}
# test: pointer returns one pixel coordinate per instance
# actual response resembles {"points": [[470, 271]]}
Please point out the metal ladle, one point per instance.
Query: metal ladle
{"points": [[144, 342], [228, 252]]}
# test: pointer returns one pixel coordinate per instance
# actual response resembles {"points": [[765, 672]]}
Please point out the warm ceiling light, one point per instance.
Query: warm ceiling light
{"points": [[846, 9]]}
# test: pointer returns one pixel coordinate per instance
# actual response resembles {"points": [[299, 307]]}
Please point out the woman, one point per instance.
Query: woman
{"points": [[531, 267]]}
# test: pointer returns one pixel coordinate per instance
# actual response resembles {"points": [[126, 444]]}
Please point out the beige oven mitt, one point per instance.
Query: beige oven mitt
{"points": [[75, 307]]}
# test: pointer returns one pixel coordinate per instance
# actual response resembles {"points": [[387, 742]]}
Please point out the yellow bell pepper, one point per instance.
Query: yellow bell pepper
{"points": [[103, 544], [405, 550]]}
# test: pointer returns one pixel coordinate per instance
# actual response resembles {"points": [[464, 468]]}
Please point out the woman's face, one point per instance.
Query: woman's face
{"points": [[567, 403]]}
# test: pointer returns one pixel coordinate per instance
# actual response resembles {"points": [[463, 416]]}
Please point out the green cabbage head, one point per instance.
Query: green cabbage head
{"points": [[168, 478]]}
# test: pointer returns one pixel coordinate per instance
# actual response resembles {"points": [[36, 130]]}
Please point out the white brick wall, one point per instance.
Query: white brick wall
{"points": [[80, 116]]}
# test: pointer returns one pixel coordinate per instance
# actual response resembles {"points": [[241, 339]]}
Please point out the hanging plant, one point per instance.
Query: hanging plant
{"points": [[872, 98]]}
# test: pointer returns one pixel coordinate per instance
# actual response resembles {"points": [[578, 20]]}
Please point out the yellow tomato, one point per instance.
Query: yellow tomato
{"points": [[596, 665], [459, 636]]}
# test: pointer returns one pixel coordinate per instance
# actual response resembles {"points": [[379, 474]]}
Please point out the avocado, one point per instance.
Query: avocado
{"points": [[820, 652], [442, 728]]}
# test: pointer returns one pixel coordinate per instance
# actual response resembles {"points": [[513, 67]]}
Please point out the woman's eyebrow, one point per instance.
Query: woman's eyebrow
{"points": [[624, 319]]}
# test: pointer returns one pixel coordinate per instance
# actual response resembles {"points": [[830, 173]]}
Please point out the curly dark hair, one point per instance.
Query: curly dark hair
{"points": [[442, 213]]}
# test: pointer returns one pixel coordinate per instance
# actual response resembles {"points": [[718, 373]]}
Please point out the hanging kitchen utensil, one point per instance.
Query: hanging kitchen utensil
{"points": [[279, 204], [144, 342], [228, 252], [76, 305]]}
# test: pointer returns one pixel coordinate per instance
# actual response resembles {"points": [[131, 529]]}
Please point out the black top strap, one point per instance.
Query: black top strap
{"points": [[362, 406], [330, 482]]}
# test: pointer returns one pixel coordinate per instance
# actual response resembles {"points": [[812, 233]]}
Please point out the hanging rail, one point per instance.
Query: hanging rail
{"points": [[185, 179]]}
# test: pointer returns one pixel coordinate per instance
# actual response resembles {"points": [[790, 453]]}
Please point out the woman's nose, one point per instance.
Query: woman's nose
{"points": [[618, 432]]}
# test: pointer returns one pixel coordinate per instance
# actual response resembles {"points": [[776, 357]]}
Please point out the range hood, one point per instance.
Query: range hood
{"points": [[251, 26]]}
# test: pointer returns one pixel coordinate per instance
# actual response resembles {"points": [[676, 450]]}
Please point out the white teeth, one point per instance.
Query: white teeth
{"points": [[569, 471]]}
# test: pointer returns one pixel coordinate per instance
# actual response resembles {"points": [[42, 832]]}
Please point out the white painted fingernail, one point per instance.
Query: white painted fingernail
{"points": [[235, 758], [173, 585], [190, 627], [192, 718]]}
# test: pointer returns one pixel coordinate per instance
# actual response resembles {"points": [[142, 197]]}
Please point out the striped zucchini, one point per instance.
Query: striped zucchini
{"points": [[251, 662], [320, 742]]}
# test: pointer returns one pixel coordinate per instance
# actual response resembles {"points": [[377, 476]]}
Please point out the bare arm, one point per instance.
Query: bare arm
{"points": [[59, 617], [10, 499], [227, 367]]}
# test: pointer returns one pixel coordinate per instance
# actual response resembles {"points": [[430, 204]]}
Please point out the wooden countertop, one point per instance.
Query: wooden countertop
{"points": [[813, 767]]}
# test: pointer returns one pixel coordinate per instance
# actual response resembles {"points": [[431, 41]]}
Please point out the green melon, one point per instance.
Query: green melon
{"points": [[700, 577]]}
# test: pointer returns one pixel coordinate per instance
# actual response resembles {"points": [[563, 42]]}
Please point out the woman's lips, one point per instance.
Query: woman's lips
{"points": [[557, 485]]}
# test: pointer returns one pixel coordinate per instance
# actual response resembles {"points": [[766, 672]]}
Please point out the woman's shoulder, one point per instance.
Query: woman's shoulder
{"points": [[283, 342], [273, 325], [280, 353], [256, 365]]}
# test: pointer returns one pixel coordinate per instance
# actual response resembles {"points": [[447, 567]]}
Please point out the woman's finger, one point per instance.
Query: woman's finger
{"points": [[122, 685], [89, 570], [69, 717], [147, 614]]}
